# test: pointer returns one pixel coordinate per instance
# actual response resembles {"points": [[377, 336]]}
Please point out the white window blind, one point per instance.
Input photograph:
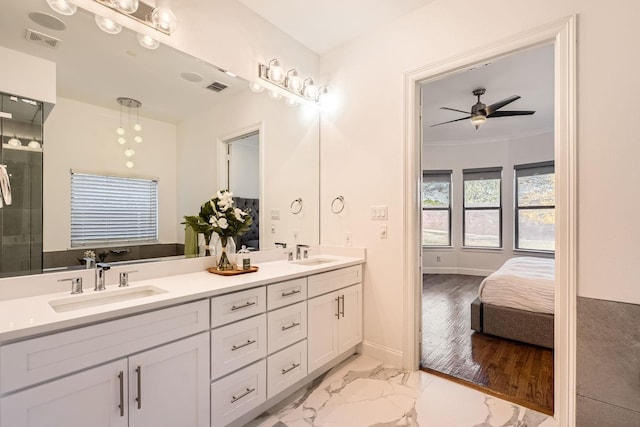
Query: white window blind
{"points": [[108, 210]]}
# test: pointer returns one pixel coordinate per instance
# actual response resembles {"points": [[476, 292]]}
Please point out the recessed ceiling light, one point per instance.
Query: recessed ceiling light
{"points": [[191, 77], [47, 21]]}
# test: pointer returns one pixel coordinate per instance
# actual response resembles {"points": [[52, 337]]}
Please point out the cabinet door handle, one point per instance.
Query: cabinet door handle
{"points": [[121, 405], [238, 347], [293, 292], [293, 325], [247, 304], [234, 399], [342, 311], [338, 307], [139, 398], [294, 366]]}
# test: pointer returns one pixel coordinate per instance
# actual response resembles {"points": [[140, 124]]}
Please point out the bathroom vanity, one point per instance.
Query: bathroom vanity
{"points": [[192, 349]]}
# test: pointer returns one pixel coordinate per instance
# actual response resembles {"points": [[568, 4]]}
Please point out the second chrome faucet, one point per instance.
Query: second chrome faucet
{"points": [[101, 271]]}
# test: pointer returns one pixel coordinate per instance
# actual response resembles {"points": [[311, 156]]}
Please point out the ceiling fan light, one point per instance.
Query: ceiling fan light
{"points": [[478, 120]]}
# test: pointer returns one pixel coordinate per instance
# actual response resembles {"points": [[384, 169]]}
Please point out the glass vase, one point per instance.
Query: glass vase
{"points": [[204, 244], [225, 248]]}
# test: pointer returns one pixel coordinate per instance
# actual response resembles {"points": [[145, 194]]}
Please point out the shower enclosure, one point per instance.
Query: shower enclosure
{"points": [[21, 129]]}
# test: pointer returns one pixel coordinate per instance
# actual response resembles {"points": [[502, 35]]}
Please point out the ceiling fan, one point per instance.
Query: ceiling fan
{"points": [[480, 112]]}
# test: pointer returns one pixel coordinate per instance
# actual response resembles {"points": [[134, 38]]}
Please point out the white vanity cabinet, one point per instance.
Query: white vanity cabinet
{"points": [[70, 379], [334, 315]]}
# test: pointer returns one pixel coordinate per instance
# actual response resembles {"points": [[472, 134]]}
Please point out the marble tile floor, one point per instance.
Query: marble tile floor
{"points": [[363, 392]]}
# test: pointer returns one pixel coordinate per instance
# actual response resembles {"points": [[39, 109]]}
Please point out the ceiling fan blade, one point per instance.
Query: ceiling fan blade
{"points": [[510, 113], [496, 106], [451, 121], [453, 109]]}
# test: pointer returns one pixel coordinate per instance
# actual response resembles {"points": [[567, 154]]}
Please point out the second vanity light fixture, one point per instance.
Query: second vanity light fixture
{"points": [[288, 85]]}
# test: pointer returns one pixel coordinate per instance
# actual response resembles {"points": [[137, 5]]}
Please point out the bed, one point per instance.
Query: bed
{"points": [[517, 302]]}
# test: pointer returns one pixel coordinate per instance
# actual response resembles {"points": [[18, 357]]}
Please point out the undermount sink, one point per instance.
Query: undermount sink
{"points": [[98, 298], [313, 261]]}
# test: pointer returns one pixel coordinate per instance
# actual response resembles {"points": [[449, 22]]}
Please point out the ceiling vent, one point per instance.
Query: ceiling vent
{"points": [[217, 86], [42, 39]]}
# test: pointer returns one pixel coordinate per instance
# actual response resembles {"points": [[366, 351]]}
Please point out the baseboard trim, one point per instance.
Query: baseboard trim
{"points": [[456, 270], [385, 354]]}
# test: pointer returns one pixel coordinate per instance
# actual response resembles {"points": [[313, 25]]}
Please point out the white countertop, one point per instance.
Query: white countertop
{"points": [[27, 317]]}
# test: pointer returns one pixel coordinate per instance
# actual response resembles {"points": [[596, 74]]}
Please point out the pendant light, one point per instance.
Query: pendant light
{"points": [[133, 127]]}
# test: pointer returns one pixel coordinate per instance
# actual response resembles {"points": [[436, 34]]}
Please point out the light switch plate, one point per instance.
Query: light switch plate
{"points": [[382, 231], [379, 213], [275, 214]]}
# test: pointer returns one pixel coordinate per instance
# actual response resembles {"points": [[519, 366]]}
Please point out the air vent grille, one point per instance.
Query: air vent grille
{"points": [[41, 38], [217, 86]]}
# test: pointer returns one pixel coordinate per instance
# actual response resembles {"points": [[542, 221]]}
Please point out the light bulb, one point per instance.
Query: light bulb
{"points": [[63, 7], [275, 71], [137, 127], [274, 95], [129, 164], [290, 102], [256, 87], [129, 152], [293, 81], [120, 131], [126, 6], [310, 90], [14, 142], [122, 140], [137, 139], [107, 25], [478, 120], [163, 17], [34, 144], [147, 42]]}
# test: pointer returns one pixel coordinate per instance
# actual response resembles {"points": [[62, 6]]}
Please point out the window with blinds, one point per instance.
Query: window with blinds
{"points": [[436, 208], [111, 210], [535, 207], [482, 207]]}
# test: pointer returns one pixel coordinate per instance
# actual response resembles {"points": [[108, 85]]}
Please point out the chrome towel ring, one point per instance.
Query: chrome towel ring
{"points": [[296, 206], [337, 205]]}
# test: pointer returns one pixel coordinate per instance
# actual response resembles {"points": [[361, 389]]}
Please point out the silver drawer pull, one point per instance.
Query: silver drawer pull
{"points": [[247, 304], [294, 366], [293, 292], [293, 325], [234, 399], [238, 347]]}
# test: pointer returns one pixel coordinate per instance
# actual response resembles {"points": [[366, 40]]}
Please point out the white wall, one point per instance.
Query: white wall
{"points": [[289, 139], [362, 139], [27, 76], [506, 152], [82, 137]]}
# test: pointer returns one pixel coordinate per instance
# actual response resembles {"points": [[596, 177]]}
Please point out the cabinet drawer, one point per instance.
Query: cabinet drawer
{"points": [[286, 367], [39, 359], [236, 306], [236, 345], [286, 326], [237, 394], [286, 293], [332, 280]]}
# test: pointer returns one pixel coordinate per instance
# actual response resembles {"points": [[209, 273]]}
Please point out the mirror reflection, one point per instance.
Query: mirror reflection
{"points": [[192, 116]]}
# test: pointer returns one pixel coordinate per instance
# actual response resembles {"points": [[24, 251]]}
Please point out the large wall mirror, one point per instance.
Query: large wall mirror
{"points": [[186, 124]]}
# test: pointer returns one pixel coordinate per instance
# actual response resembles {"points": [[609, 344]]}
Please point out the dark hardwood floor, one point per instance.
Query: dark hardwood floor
{"points": [[518, 372]]}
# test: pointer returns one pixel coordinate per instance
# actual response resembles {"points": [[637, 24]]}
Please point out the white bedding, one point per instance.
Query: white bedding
{"points": [[525, 283]]}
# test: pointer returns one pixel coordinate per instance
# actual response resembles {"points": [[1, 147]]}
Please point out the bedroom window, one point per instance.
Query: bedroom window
{"points": [[110, 210], [436, 208], [482, 213], [535, 207]]}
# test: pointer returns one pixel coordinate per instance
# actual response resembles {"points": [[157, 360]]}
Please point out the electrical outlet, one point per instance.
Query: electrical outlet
{"points": [[382, 231], [438, 258], [273, 229], [347, 239]]}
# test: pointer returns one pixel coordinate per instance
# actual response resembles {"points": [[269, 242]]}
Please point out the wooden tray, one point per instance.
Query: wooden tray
{"points": [[214, 270]]}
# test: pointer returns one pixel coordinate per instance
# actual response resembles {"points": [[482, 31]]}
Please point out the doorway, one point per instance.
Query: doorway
{"points": [[562, 34]]}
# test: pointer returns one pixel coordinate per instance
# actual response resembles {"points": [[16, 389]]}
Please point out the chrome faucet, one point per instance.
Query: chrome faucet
{"points": [[101, 272], [306, 251]]}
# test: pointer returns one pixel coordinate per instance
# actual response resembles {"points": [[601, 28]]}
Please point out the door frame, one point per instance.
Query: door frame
{"points": [[562, 34], [222, 141]]}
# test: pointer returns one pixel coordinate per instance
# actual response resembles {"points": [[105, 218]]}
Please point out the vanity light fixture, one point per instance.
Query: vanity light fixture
{"points": [[107, 25], [63, 7], [288, 85], [160, 18]]}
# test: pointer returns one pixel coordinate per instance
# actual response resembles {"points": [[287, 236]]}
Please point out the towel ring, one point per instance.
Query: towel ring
{"points": [[296, 206], [337, 205]]}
